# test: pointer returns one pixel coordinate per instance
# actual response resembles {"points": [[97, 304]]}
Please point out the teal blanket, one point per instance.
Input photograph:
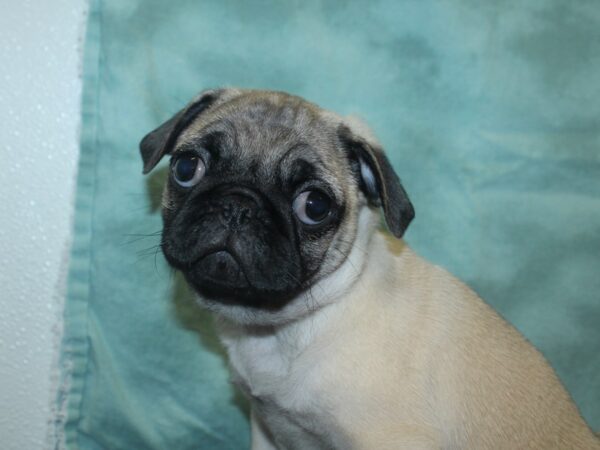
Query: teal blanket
{"points": [[490, 112]]}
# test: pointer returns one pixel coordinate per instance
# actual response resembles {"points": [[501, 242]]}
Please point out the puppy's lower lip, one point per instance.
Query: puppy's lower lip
{"points": [[220, 267]]}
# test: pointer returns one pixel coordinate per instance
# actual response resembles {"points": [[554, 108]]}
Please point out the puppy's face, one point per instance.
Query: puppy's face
{"points": [[264, 195]]}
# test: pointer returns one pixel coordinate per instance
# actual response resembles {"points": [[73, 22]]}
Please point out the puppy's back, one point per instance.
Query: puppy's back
{"points": [[493, 389]]}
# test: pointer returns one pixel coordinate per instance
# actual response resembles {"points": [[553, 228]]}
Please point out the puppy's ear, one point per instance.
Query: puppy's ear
{"points": [[160, 142], [378, 180]]}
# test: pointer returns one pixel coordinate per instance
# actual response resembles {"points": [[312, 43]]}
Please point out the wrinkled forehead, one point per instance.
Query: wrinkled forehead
{"points": [[284, 138]]}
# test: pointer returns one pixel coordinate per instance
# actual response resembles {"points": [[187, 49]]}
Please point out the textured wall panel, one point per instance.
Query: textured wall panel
{"points": [[40, 89]]}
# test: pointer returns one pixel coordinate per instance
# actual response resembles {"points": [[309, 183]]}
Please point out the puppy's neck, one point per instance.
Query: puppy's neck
{"points": [[279, 345]]}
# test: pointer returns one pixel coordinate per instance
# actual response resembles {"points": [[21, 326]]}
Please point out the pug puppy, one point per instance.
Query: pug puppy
{"points": [[339, 334]]}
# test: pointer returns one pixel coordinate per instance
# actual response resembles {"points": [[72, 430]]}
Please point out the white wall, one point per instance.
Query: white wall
{"points": [[40, 87]]}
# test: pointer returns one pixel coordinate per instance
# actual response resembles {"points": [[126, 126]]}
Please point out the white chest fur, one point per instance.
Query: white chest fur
{"points": [[282, 381]]}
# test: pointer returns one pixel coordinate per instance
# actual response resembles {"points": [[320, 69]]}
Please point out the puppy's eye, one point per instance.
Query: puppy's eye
{"points": [[312, 207], [188, 170]]}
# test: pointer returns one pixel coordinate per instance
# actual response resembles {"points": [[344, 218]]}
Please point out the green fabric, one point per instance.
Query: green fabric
{"points": [[490, 111]]}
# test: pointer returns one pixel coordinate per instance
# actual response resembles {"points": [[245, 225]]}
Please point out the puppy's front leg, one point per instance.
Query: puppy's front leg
{"points": [[259, 438]]}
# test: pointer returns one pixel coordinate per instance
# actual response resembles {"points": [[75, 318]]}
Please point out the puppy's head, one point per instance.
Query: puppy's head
{"points": [[264, 199]]}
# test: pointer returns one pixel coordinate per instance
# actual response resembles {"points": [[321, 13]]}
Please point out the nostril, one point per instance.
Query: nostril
{"points": [[244, 216], [226, 211]]}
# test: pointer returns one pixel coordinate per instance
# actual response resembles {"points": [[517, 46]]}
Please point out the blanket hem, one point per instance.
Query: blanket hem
{"points": [[75, 348]]}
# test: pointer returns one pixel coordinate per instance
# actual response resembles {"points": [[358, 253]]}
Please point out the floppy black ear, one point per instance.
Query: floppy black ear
{"points": [[378, 180], [159, 142]]}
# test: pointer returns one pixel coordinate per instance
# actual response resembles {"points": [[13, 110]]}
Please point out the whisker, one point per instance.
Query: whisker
{"points": [[139, 237], [144, 234], [148, 249]]}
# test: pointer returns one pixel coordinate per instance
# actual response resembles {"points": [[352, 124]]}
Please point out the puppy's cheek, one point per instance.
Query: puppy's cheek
{"points": [[333, 248], [332, 252], [171, 204], [314, 255]]}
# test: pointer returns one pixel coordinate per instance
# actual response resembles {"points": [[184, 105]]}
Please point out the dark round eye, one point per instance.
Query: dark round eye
{"points": [[188, 170], [312, 207]]}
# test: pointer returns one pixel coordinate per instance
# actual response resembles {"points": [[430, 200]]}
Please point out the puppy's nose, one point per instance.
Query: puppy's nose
{"points": [[237, 211]]}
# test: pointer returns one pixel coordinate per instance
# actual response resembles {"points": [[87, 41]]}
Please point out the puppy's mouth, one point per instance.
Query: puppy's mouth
{"points": [[219, 275]]}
